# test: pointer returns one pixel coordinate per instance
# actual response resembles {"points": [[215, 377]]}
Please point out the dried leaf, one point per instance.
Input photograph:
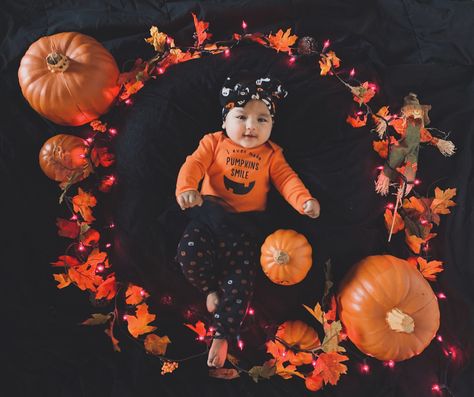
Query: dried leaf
{"points": [[232, 359], [399, 224], [199, 328], [329, 366], [442, 201], [67, 228], [331, 338], [63, 280], [108, 289], [156, 345], [97, 319], [358, 121], [201, 31], [224, 373], [363, 93], [157, 39], [135, 295], [430, 269], [82, 203], [264, 371], [138, 324], [282, 41], [328, 61]]}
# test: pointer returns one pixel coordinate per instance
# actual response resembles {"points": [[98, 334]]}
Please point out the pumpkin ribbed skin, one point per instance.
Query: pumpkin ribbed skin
{"points": [[299, 334], [388, 309], [63, 156], [286, 257], [81, 91]]}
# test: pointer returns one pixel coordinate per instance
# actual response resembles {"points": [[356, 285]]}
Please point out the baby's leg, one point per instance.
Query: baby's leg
{"points": [[196, 255]]}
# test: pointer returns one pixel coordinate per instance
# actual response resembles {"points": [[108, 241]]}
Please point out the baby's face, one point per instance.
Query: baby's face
{"points": [[249, 126]]}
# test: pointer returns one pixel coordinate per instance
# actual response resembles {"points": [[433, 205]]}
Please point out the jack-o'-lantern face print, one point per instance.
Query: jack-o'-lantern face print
{"points": [[249, 126]]}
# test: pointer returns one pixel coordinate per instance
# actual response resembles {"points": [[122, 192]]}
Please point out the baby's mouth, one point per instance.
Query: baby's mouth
{"points": [[250, 136]]}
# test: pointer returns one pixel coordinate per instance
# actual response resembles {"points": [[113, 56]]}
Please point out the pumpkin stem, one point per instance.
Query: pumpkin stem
{"points": [[399, 321], [281, 257], [57, 62]]}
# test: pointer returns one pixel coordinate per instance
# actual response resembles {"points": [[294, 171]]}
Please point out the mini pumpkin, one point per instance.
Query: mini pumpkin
{"points": [[388, 308], [299, 335], [69, 78], [286, 257], [64, 158]]}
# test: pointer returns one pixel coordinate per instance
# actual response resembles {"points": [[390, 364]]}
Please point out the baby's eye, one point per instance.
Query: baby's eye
{"points": [[262, 120], [241, 117]]}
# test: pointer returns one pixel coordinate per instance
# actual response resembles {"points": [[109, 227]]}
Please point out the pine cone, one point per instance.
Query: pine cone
{"points": [[307, 46]]}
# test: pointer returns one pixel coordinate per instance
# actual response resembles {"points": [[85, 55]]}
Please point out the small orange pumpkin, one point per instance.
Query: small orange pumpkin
{"points": [[69, 78], [388, 308], [286, 257], [300, 335], [64, 158]]}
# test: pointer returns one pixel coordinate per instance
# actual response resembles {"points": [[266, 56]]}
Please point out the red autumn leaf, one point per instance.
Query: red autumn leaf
{"points": [[108, 289], [282, 41], [430, 269], [257, 38], [106, 184], [90, 238], [399, 224], [101, 155], [199, 328], [66, 261], [156, 345], [177, 56], [82, 203], [201, 31], [357, 121], [135, 295], [67, 228], [138, 324], [329, 366]]}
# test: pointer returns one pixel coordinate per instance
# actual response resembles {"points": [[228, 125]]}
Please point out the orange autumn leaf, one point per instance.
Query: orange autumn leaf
{"points": [[399, 125], [286, 372], [156, 345], [330, 315], [177, 56], [62, 279], [314, 382], [108, 289], [430, 269], [442, 201], [328, 61], [67, 228], [130, 88], [101, 156], [357, 121], [90, 238], [363, 93], [414, 242], [381, 147], [66, 261], [329, 366], [415, 204], [282, 41], [135, 295], [383, 113], [110, 332], [82, 203], [85, 277], [399, 224], [201, 30], [96, 257], [138, 324], [199, 328]]}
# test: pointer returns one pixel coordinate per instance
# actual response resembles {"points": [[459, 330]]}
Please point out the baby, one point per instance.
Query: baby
{"points": [[236, 166]]}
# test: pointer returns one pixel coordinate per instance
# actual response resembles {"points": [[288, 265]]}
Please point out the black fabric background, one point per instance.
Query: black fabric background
{"points": [[420, 46]]}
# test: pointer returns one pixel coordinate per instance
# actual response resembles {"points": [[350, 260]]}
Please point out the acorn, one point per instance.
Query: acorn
{"points": [[307, 46]]}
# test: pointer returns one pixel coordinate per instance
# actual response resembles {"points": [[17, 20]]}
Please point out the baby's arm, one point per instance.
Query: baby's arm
{"points": [[291, 187], [192, 172]]}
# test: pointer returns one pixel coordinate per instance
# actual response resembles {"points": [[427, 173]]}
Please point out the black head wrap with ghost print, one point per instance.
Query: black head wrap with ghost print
{"points": [[237, 91]]}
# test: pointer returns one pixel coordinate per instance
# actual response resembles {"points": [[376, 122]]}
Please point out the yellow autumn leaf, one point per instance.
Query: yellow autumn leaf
{"points": [[328, 61], [138, 324], [414, 203], [157, 39], [317, 313], [62, 279], [442, 201], [156, 345]]}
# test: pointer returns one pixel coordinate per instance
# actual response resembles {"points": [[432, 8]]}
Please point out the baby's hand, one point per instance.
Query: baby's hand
{"points": [[189, 199], [311, 208]]}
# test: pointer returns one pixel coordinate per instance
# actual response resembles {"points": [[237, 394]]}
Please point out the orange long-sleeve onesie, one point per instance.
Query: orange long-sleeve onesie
{"points": [[241, 176]]}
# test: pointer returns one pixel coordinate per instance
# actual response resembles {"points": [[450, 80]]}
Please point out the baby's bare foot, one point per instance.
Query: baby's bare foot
{"points": [[212, 302], [217, 353]]}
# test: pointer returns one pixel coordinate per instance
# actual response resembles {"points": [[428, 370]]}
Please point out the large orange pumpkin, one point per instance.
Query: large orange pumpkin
{"points": [[64, 158], [69, 78], [300, 335], [388, 309], [286, 257]]}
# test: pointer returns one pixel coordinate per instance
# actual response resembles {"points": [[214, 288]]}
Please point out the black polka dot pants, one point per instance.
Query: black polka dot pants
{"points": [[223, 262]]}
